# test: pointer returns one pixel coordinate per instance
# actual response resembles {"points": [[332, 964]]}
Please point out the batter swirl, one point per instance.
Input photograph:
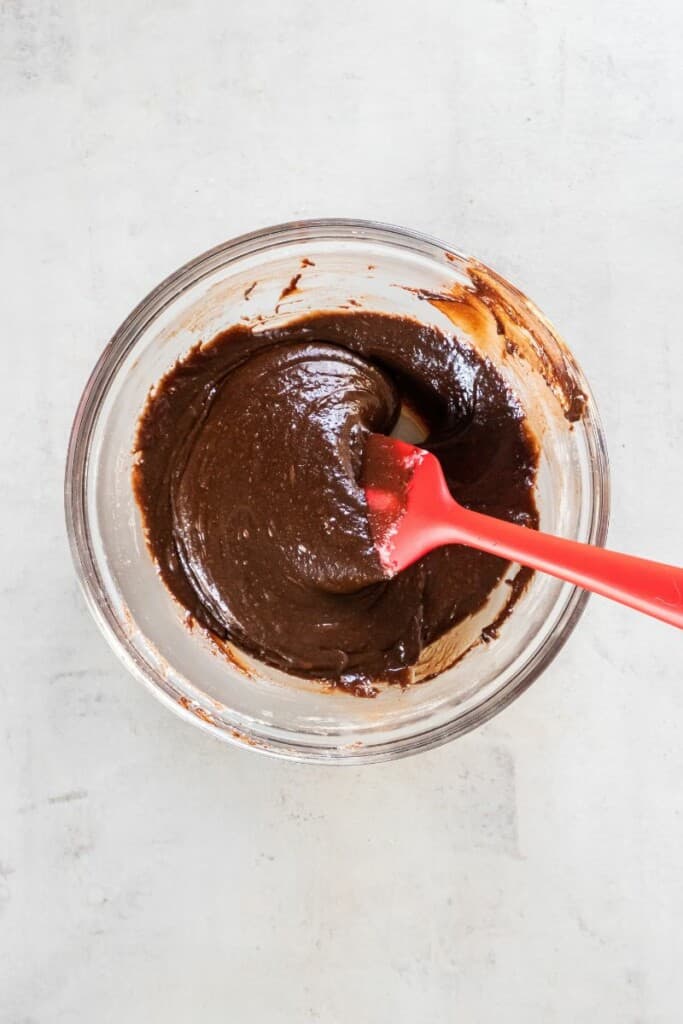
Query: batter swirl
{"points": [[249, 455]]}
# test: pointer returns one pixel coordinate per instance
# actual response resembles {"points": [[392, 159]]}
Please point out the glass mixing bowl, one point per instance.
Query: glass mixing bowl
{"points": [[223, 691]]}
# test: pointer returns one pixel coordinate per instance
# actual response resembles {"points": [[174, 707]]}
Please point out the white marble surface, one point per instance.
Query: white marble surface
{"points": [[530, 872]]}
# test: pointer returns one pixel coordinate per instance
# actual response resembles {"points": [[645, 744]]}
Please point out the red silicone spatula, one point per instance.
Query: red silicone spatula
{"points": [[412, 512]]}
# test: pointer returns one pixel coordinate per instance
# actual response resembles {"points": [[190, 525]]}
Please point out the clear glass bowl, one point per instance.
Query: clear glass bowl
{"points": [[240, 700]]}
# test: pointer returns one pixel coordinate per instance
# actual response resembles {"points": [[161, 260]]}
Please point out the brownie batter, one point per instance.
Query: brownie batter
{"points": [[248, 470]]}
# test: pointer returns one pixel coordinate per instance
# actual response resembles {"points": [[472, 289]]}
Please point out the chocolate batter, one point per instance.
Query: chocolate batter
{"points": [[249, 457]]}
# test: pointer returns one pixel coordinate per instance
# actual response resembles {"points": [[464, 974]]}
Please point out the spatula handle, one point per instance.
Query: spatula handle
{"points": [[650, 587]]}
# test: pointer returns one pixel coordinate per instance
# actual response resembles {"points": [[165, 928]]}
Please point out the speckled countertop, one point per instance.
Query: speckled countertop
{"points": [[529, 872]]}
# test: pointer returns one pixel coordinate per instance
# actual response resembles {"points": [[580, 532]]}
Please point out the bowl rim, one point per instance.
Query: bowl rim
{"points": [[77, 525]]}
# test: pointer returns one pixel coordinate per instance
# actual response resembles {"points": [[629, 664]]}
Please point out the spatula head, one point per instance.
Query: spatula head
{"points": [[407, 501]]}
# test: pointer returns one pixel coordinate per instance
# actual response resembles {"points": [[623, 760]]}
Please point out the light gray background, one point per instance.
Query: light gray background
{"points": [[530, 872]]}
